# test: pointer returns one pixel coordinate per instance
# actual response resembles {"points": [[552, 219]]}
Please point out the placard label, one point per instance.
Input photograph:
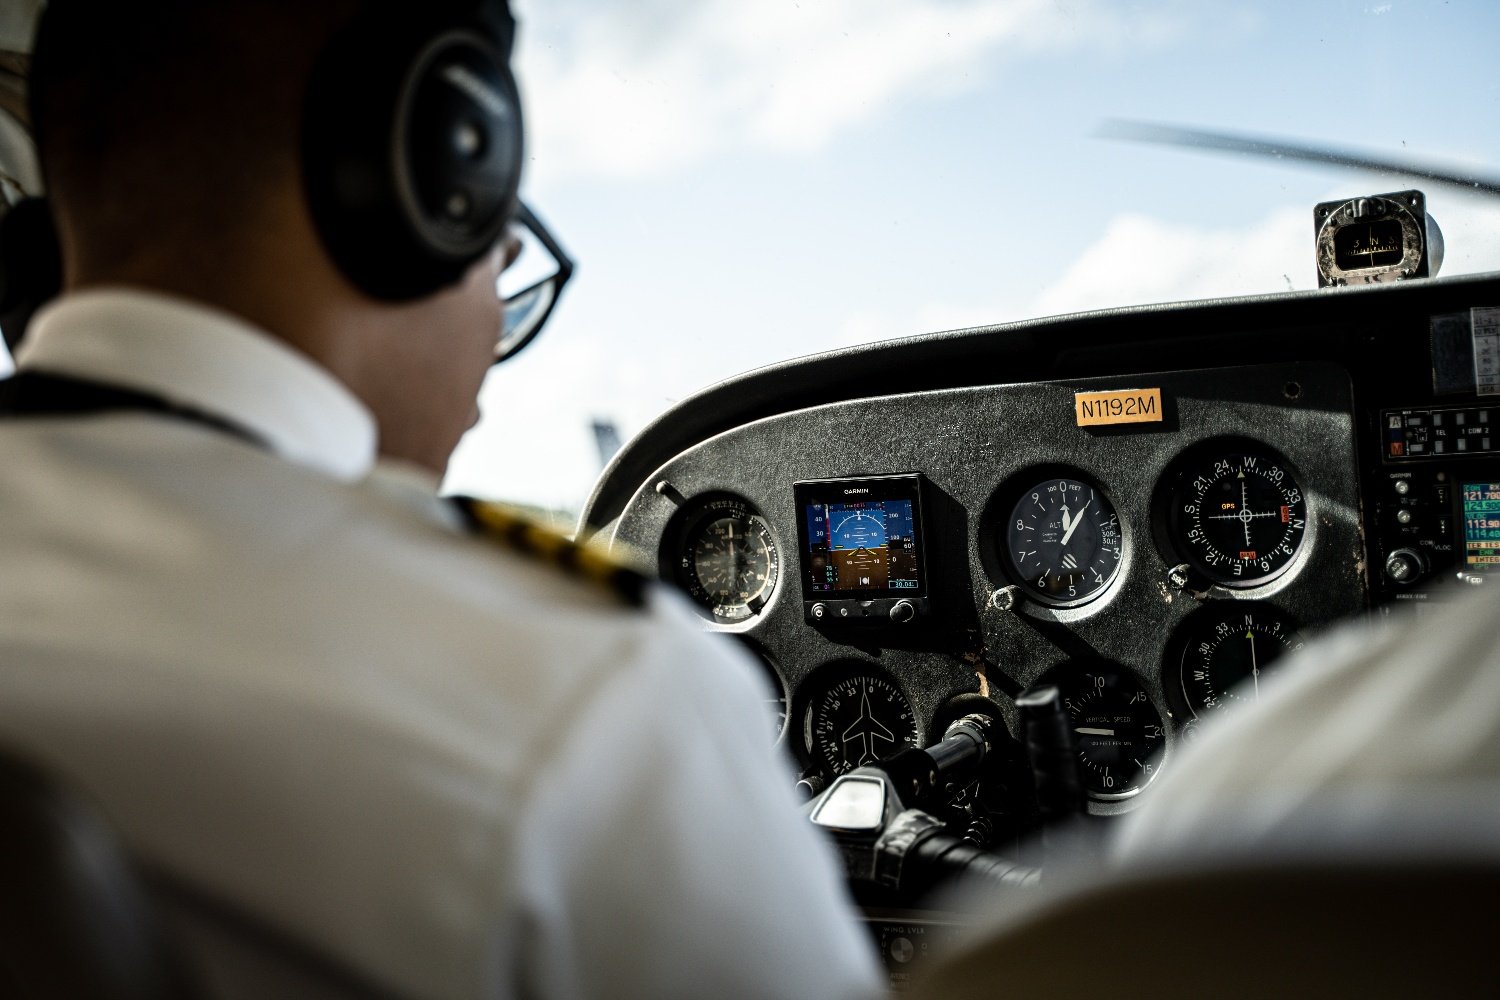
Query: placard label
{"points": [[1118, 406], [1485, 327]]}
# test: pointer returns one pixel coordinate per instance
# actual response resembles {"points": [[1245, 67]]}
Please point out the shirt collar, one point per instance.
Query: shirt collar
{"points": [[198, 357]]}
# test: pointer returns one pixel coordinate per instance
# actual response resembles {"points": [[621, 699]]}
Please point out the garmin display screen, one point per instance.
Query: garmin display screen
{"points": [[1482, 525], [861, 538]]}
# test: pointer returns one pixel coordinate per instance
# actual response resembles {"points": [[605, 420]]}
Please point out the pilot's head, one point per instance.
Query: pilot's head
{"points": [[340, 172]]}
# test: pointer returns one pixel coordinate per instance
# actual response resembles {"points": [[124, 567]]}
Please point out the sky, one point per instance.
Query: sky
{"points": [[744, 182]]}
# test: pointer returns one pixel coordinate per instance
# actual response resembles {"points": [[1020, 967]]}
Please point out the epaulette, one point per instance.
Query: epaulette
{"points": [[520, 534]]}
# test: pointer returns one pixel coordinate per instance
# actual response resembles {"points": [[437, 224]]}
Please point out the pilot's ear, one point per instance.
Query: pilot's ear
{"points": [[30, 265]]}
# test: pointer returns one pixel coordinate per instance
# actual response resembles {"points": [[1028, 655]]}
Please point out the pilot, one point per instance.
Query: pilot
{"points": [[1381, 734], [233, 608]]}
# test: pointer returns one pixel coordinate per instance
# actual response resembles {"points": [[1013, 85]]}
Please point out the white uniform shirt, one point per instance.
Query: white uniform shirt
{"points": [[299, 686], [1364, 732]]}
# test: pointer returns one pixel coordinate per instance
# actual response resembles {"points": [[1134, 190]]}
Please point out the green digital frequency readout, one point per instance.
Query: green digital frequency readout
{"points": [[1482, 525]]}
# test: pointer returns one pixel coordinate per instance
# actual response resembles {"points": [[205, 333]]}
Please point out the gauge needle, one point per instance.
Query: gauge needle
{"points": [[1254, 667], [1068, 528], [1091, 731], [1245, 507]]}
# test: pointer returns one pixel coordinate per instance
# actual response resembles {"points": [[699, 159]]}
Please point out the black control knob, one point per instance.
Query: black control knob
{"points": [[903, 611], [1405, 565], [810, 787]]}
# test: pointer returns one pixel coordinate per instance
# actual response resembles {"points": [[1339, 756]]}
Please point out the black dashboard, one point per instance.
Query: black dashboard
{"points": [[1145, 507]]}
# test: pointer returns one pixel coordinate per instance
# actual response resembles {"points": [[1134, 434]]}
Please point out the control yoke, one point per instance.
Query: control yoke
{"points": [[887, 839]]}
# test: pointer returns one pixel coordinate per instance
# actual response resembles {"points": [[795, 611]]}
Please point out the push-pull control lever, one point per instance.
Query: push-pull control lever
{"points": [[1054, 760], [888, 840], [1060, 799]]}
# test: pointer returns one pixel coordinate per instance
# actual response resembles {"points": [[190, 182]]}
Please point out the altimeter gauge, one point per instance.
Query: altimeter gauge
{"points": [[726, 558], [1235, 514], [1063, 541]]}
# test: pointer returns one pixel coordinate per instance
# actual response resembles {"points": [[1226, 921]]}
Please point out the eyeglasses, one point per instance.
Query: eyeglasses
{"points": [[530, 286]]}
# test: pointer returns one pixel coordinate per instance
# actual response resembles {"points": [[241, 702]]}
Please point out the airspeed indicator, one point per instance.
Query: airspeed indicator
{"points": [[725, 558]]}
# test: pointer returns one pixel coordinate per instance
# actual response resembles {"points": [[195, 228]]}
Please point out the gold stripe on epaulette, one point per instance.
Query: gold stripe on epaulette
{"points": [[517, 532]]}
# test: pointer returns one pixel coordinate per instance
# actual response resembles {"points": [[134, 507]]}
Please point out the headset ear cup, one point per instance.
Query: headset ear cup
{"points": [[30, 265], [412, 153]]}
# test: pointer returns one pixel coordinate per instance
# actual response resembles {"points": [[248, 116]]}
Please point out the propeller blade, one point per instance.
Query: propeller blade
{"points": [[1286, 149]]}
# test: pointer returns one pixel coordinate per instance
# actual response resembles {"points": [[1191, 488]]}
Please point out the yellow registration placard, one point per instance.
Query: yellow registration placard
{"points": [[1118, 406]]}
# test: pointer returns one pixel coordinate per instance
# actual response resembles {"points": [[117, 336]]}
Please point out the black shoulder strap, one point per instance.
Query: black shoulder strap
{"points": [[38, 394]]}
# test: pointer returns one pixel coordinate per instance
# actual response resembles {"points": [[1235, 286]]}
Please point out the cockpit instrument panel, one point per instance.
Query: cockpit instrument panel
{"points": [[1310, 457]]}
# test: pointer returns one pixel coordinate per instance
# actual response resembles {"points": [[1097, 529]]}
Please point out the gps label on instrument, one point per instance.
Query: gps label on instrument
{"points": [[1118, 406]]}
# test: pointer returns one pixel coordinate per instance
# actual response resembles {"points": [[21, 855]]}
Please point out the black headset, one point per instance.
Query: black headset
{"points": [[412, 143], [412, 146]]}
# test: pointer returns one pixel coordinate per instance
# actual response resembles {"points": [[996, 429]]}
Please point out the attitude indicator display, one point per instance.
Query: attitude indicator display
{"points": [[862, 548]]}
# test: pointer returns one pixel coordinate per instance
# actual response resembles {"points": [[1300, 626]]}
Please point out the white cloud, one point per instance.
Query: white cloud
{"points": [[1143, 259], [1471, 230], [641, 88]]}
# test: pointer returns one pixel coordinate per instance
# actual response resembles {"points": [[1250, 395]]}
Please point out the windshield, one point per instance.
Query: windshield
{"points": [[743, 183]]}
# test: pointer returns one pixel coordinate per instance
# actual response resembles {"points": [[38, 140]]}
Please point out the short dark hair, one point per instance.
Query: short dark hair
{"points": [[169, 117]]}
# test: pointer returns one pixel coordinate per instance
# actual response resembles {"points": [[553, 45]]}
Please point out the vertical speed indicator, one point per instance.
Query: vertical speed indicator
{"points": [[1238, 515], [1117, 732]]}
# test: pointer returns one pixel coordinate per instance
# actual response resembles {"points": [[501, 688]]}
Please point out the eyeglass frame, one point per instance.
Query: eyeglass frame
{"points": [[527, 218]]}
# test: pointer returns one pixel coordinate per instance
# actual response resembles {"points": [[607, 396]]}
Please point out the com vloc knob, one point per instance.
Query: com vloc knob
{"points": [[1405, 565], [903, 611]]}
